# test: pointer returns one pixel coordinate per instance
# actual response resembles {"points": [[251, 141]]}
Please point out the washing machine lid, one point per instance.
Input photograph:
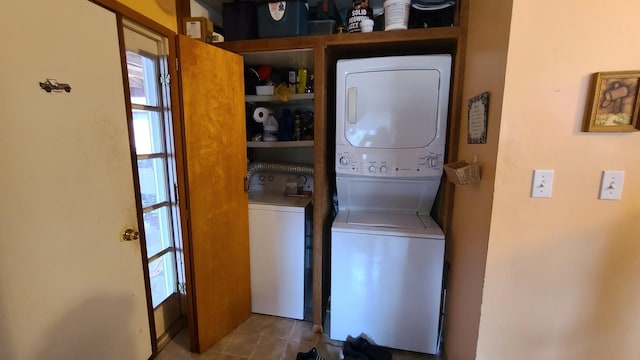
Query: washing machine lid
{"points": [[387, 224], [389, 220]]}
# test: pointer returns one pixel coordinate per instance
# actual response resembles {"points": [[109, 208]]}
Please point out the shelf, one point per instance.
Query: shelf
{"points": [[279, 144], [273, 98], [282, 59], [411, 37], [396, 36]]}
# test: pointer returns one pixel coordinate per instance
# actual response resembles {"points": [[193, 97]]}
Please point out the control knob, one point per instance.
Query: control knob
{"points": [[343, 160], [432, 161], [372, 168], [383, 169]]}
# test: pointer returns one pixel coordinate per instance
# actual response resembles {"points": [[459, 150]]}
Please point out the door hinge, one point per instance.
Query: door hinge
{"points": [[182, 288], [165, 79], [246, 184], [177, 194]]}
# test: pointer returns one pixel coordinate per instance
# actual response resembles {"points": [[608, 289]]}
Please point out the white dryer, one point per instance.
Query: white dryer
{"points": [[387, 254]]}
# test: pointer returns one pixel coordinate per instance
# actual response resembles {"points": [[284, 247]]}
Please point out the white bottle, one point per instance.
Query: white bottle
{"points": [[270, 129]]}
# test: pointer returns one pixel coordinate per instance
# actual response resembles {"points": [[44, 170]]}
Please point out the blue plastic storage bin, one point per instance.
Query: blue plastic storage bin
{"points": [[283, 18]]}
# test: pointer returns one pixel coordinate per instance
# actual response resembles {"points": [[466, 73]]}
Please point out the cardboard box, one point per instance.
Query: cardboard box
{"points": [[199, 28]]}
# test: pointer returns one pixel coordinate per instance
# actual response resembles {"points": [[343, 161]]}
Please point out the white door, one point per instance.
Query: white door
{"points": [[147, 64], [71, 288]]}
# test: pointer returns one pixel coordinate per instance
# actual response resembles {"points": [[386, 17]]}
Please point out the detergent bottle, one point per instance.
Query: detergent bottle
{"points": [[270, 132]]}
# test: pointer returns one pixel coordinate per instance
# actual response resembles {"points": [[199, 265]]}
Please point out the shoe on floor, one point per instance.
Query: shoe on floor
{"points": [[309, 355], [361, 349], [349, 353]]}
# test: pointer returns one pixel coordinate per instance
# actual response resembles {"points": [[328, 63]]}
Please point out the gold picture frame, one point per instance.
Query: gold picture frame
{"points": [[614, 102]]}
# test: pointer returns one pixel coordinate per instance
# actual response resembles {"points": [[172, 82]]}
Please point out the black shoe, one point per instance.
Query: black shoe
{"points": [[360, 346], [349, 353], [309, 355]]}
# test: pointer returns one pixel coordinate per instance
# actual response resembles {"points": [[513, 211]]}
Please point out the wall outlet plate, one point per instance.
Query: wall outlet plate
{"points": [[611, 185], [542, 183]]}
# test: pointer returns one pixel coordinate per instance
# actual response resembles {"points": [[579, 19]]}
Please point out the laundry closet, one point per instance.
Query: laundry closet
{"points": [[280, 176], [306, 167]]}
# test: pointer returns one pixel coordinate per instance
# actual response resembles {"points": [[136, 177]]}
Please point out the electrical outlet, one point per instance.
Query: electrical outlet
{"points": [[542, 183], [611, 185]]}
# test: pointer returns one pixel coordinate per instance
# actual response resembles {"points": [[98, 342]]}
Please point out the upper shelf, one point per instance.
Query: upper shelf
{"points": [[411, 37], [273, 98], [280, 144], [296, 58]]}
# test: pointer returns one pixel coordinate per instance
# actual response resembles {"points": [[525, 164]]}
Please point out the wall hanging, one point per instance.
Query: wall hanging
{"points": [[477, 118], [613, 102], [50, 85]]}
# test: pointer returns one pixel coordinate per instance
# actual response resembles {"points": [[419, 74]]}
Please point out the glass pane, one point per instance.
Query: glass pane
{"points": [[147, 129], [153, 181], [157, 230], [142, 79], [163, 278]]}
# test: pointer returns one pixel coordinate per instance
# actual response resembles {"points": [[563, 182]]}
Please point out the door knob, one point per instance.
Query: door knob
{"points": [[130, 235]]}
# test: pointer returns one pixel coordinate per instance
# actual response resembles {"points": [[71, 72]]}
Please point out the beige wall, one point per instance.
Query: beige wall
{"points": [[486, 58], [161, 11], [562, 274]]}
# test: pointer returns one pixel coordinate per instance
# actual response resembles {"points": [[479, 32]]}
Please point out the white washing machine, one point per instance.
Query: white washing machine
{"points": [[279, 248], [387, 254], [386, 276]]}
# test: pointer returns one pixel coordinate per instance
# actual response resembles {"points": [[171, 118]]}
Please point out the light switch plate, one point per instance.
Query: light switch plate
{"points": [[542, 183], [611, 185]]}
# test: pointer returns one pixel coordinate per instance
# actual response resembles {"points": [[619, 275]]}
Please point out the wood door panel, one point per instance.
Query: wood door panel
{"points": [[212, 83]]}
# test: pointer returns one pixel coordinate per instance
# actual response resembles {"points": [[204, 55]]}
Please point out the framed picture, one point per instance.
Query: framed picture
{"points": [[614, 102], [478, 114]]}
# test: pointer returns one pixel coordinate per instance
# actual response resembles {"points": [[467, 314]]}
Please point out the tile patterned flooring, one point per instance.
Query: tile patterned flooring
{"points": [[264, 337]]}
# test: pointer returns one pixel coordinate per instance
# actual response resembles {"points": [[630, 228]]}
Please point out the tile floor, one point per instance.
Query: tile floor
{"points": [[269, 338]]}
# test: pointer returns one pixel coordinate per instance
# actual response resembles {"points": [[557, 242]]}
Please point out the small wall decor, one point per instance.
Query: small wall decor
{"points": [[613, 102], [478, 115], [50, 85]]}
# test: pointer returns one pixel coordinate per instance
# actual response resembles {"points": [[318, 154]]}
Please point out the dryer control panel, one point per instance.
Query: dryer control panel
{"points": [[423, 162]]}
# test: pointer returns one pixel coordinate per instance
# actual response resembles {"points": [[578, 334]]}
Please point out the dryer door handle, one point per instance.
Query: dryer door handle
{"points": [[352, 93]]}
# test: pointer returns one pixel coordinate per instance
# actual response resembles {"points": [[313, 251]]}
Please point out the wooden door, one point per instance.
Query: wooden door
{"points": [[71, 287], [214, 145]]}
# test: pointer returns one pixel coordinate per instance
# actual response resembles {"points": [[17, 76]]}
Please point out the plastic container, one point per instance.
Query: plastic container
{"points": [[360, 11], [264, 89], [270, 132], [285, 131], [425, 15], [283, 18], [322, 27], [396, 14], [366, 25]]}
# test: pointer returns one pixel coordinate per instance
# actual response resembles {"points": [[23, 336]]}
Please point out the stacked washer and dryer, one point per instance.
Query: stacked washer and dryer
{"points": [[387, 254]]}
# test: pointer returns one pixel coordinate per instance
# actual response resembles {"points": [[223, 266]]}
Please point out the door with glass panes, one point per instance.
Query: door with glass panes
{"points": [[146, 54]]}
